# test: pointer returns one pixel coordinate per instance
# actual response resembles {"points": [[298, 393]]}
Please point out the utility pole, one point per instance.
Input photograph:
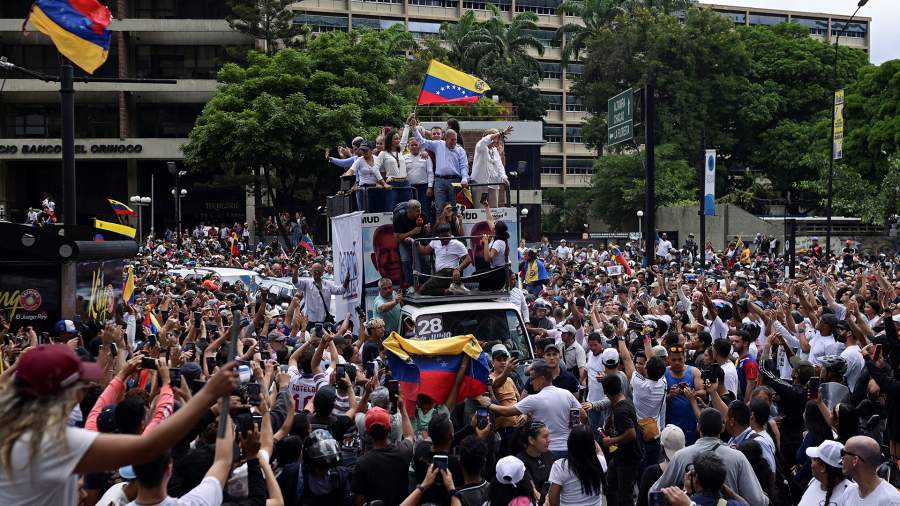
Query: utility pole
{"points": [[650, 175], [701, 188]]}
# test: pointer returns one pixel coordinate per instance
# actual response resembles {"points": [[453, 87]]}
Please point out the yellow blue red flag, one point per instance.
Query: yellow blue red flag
{"points": [[128, 289], [79, 29], [120, 208], [446, 85]]}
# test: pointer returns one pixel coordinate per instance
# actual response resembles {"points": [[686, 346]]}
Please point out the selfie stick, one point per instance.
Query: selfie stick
{"points": [[232, 351]]}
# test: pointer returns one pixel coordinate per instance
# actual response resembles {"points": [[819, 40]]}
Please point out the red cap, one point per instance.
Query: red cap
{"points": [[50, 369], [377, 416]]}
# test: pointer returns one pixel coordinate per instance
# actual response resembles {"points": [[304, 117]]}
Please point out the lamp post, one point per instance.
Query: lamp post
{"points": [[640, 216], [141, 202], [828, 209], [178, 194], [523, 214]]}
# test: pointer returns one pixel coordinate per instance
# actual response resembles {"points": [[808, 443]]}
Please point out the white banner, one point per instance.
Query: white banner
{"points": [[347, 253], [709, 183]]}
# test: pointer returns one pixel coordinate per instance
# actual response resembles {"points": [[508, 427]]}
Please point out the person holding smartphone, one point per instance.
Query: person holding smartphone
{"points": [[488, 165]]}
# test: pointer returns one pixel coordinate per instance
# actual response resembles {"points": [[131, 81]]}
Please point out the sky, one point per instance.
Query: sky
{"points": [[885, 14]]}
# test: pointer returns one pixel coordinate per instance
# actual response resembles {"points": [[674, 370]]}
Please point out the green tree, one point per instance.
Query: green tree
{"points": [[459, 37], [279, 113], [570, 209], [271, 21]]}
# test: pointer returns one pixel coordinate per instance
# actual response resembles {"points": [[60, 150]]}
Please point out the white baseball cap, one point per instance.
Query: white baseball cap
{"points": [[610, 356], [510, 470], [671, 439], [567, 328], [828, 452]]}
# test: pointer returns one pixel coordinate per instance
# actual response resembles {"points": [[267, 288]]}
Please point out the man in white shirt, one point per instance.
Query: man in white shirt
{"points": [[859, 461], [451, 257], [563, 251], [317, 293], [420, 175], [487, 165], [551, 405], [722, 355], [821, 341], [854, 358], [663, 246], [153, 478]]}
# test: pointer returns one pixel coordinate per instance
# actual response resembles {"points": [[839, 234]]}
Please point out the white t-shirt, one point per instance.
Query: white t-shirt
{"points": [[855, 364], [551, 405], [49, 479], [819, 346], [304, 387], [815, 496], [594, 366], [731, 377], [883, 495], [571, 493], [649, 398], [663, 247], [114, 496], [563, 252], [499, 259], [207, 493], [718, 329], [448, 257]]}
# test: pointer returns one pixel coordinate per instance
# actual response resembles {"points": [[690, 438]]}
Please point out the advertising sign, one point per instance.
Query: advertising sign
{"points": [[709, 183], [29, 296]]}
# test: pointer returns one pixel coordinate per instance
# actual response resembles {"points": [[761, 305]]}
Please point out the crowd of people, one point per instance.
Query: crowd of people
{"points": [[669, 384]]}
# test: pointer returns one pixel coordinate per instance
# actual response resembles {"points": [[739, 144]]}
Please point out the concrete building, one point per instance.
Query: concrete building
{"points": [[127, 132]]}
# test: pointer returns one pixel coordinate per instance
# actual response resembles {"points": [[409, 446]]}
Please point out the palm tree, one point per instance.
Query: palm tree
{"points": [[398, 40], [507, 43], [459, 37], [596, 14]]}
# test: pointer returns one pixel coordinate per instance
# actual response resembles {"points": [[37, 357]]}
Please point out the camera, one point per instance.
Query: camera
{"points": [[711, 372]]}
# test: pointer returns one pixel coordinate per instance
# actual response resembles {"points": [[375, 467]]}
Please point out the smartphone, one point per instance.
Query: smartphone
{"points": [[370, 369], [254, 394], [657, 498], [257, 420], [265, 355], [189, 346], [813, 386], [114, 350], [197, 385], [682, 385], [574, 418], [319, 330], [339, 371], [148, 363], [482, 417], [196, 318], [210, 364], [175, 377], [440, 461], [484, 198], [393, 387], [875, 354]]}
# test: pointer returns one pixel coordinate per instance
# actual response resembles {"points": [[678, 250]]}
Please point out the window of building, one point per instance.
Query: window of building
{"points": [[179, 62], [739, 18], [551, 70], [96, 121], [481, 5], [552, 133], [546, 37], [574, 70], [815, 26], [375, 23], [551, 165], [574, 104], [552, 101], [175, 9], [766, 19], [166, 120], [36, 122], [573, 135], [420, 29], [853, 31], [319, 23], [435, 3], [381, 1], [579, 166], [43, 121], [546, 7]]}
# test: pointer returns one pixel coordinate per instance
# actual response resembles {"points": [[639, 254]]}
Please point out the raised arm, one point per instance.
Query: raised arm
{"points": [[450, 403]]}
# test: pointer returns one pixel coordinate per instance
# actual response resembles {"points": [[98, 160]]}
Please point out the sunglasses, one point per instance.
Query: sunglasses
{"points": [[845, 453]]}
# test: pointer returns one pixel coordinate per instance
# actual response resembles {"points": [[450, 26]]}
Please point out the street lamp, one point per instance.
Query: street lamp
{"points": [[640, 215], [523, 214], [178, 195], [828, 209], [141, 202]]}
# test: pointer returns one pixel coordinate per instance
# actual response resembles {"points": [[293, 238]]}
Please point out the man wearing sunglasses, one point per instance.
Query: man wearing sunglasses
{"points": [[860, 458]]}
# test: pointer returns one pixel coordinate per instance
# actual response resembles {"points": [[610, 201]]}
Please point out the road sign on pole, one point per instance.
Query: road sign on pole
{"points": [[620, 118]]}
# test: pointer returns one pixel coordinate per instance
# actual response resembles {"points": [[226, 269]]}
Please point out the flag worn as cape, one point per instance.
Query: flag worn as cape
{"points": [[150, 321], [235, 248], [430, 367], [534, 271]]}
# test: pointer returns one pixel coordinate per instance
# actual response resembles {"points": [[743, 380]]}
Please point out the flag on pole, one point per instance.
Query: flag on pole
{"points": [[120, 208], [115, 227], [307, 244], [79, 29], [128, 289], [446, 85]]}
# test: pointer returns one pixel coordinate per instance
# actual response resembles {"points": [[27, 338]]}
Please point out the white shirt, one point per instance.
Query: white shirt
{"points": [[448, 256], [855, 364], [303, 387], [551, 405], [207, 493], [571, 493], [49, 478], [731, 377], [487, 167], [499, 259], [718, 329], [815, 496], [883, 495], [819, 346], [315, 304], [392, 163], [649, 398], [594, 366], [517, 297], [563, 252], [663, 247], [114, 496], [419, 169], [365, 173]]}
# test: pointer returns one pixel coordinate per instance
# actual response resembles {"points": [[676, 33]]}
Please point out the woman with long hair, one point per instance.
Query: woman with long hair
{"points": [[391, 163], [845, 421], [817, 431], [828, 482], [367, 177], [41, 457], [536, 455], [447, 214], [763, 471], [580, 478], [496, 255]]}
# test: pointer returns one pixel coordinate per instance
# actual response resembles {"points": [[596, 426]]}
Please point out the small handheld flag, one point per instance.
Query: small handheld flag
{"points": [[120, 208], [235, 247], [79, 29], [307, 244], [446, 85]]}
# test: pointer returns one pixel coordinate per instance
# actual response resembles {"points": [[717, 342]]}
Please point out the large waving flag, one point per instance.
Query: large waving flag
{"points": [[235, 246], [429, 367], [446, 85], [120, 208], [150, 322], [620, 259], [115, 227], [307, 244], [79, 29]]}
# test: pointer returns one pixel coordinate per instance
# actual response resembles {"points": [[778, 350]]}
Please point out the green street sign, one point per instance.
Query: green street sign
{"points": [[620, 118]]}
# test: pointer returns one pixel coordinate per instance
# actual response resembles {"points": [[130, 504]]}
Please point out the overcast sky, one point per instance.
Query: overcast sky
{"points": [[885, 14]]}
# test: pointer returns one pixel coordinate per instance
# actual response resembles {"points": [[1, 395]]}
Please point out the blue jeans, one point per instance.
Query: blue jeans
{"points": [[406, 262], [425, 200], [399, 192], [651, 453], [444, 191]]}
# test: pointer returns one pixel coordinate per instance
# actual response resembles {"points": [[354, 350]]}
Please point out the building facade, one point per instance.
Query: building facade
{"points": [[128, 132]]}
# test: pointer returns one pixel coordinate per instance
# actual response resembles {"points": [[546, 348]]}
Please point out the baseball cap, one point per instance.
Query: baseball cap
{"points": [[552, 346], [660, 351], [671, 439], [609, 357], [64, 327], [191, 371], [377, 416], [499, 349], [828, 452], [567, 328], [50, 369], [510, 470], [127, 473], [803, 367]]}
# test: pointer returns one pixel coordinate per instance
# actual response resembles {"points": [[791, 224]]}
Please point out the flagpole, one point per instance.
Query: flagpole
{"points": [[67, 105]]}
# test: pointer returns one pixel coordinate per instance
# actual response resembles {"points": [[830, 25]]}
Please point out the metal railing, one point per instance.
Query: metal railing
{"points": [[412, 193], [472, 252]]}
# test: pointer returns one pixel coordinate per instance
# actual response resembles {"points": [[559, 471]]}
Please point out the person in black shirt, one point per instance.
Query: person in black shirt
{"points": [[409, 224], [537, 457], [381, 473], [561, 379], [440, 430], [322, 418], [473, 490], [621, 431]]}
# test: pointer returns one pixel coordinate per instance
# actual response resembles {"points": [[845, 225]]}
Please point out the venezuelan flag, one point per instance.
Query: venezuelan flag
{"points": [[128, 289], [235, 248], [78, 28], [151, 323], [120, 208], [620, 259], [307, 244], [429, 367], [446, 85], [115, 228]]}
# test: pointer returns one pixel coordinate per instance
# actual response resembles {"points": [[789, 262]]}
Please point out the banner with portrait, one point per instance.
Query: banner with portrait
{"points": [[347, 251]]}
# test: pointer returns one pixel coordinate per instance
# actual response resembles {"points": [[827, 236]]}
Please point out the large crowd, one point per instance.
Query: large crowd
{"points": [[667, 384]]}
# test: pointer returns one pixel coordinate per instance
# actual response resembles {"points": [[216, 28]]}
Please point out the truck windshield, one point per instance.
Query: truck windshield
{"points": [[486, 325]]}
